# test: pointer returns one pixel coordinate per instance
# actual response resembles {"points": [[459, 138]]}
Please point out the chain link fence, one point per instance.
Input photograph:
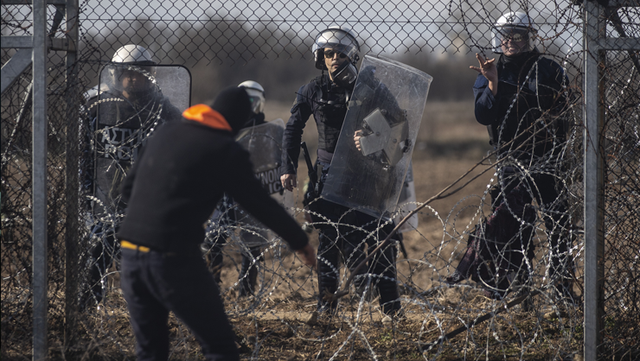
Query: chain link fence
{"points": [[223, 43], [621, 253]]}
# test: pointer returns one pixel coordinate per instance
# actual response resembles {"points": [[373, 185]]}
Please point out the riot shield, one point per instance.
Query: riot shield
{"points": [[264, 144], [132, 102], [386, 108], [406, 204]]}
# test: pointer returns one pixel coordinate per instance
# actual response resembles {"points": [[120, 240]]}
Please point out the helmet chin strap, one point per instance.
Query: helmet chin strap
{"points": [[345, 75]]}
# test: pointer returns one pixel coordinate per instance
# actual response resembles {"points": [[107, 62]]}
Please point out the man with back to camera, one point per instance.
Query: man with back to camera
{"points": [[521, 99], [120, 113], [172, 191], [336, 51]]}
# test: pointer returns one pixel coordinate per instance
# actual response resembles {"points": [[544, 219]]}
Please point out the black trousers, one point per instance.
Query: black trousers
{"points": [[155, 284], [503, 242], [346, 234], [104, 251]]}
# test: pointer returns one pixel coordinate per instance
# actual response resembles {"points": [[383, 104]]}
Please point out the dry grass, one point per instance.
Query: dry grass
{"points": [[273, 326]]}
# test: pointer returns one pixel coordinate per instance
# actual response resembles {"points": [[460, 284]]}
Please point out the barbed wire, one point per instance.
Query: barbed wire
{"points": [[276, 321]]}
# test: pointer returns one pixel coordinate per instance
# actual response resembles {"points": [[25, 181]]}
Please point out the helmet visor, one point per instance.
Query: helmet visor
{"points": [[132, 78], [338, 40], [257, 100], [502, 34]]}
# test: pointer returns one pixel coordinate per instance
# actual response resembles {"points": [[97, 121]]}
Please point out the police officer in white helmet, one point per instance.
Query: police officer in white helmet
{"points": [[342, 231], [119, 114], [521, 97], [228, 216]]}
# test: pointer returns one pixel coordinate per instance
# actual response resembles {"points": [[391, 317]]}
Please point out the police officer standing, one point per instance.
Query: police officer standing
{"points": [[229, 216], [343, 232], [522, 99], [120, 113]]}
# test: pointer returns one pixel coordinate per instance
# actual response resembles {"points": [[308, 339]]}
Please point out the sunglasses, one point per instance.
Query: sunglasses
{"points": [[330, 53], [515, 36]]}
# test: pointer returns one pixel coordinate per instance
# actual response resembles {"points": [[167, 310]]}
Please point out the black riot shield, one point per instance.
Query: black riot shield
{"points": [[264, 143], [132, 102], [386, 109]]}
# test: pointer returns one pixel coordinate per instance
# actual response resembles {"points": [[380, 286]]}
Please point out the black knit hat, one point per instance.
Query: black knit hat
{"points": [[234, 105]]}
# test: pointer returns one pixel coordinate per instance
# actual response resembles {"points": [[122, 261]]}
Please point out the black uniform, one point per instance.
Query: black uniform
{"points": [[328, 103], [526, 126], [173, 189], [114, 130], [225, 218]]}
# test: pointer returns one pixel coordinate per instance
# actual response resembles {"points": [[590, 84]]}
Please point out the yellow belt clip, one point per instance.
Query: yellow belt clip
{"points": [[129, 245]]}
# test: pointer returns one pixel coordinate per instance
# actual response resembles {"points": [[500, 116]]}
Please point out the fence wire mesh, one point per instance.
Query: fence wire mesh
{"points": [[223, 43]]}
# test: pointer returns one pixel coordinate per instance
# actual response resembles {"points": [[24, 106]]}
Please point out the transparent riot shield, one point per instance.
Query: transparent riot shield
{"points": [[264, 144], [386, 109], [406, 204], [131, 103]]}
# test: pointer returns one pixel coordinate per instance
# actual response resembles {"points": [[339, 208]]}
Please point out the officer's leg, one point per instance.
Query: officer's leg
{"points": [[354, 243], [96, 266], [507, 240], [216, 236], [102, 255], [557, 224], [384, 267], [212, 248], [328, 272], [249, 273]]}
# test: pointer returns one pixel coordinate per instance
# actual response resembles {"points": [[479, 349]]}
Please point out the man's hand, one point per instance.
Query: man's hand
{"points": [[288, 181], [308, 256], [489, 70], [356, 139]]}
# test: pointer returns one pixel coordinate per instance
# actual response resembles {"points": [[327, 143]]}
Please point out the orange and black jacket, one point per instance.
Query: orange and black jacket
{"points": [[181, 175]]}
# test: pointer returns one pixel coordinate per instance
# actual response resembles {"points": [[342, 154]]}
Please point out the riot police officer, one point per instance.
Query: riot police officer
{"points": [[120, 113], [229, 216], [343, 232], [522, 99]]}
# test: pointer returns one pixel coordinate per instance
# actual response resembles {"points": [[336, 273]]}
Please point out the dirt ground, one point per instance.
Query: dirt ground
{"points": [[279, 323]]}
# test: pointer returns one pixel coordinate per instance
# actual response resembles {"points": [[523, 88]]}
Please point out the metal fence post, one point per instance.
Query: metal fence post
{"points": [[593, 185], [39, 195], [71, 183]]}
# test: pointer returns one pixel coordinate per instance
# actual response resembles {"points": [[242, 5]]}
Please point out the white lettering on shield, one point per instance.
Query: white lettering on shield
{"points": [[270, 180]]}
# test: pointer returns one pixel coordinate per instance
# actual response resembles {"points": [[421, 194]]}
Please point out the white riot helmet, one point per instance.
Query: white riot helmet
{"points": [[515, 25], [132, 58], [338, 38], [256, 95], [133, 54]]}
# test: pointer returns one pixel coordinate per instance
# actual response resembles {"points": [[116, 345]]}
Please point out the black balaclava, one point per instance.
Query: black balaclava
{"points": [[234, 105]]}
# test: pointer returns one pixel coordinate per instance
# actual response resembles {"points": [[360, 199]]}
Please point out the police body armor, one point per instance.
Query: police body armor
{"points": [[386, 106]]}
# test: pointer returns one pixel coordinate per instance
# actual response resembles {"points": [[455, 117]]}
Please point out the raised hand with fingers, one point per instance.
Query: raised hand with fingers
{"points": [[487, 67]]}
